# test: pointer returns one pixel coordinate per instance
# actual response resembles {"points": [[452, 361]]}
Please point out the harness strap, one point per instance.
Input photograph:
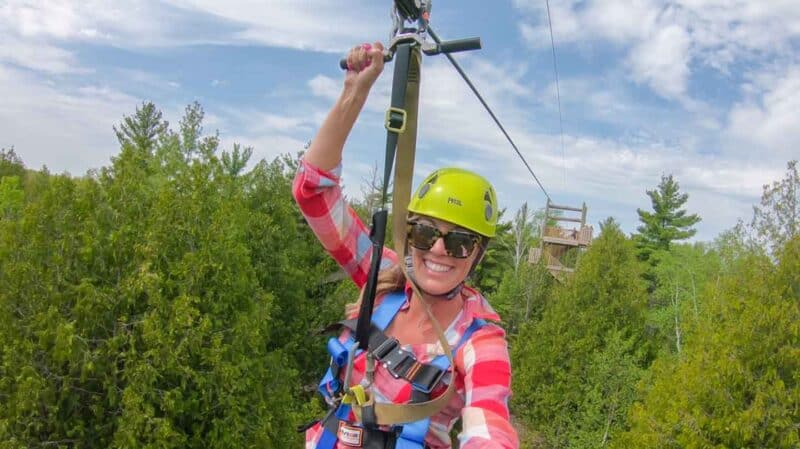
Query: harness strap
{"points": [[408, 67], [401, 140], [398, 361]]}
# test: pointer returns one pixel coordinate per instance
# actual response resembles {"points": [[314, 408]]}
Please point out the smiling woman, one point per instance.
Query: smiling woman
{"points": [[452, 216]]}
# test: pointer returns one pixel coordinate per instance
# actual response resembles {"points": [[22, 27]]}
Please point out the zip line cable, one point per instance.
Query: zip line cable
{"points": [[488, 109], [558, 90]]}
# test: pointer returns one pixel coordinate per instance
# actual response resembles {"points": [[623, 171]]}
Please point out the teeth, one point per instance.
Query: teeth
{"points": [[437, 267]]}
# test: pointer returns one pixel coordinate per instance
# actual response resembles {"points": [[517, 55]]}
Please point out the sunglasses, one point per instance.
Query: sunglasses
{"points": [[459, 244]]}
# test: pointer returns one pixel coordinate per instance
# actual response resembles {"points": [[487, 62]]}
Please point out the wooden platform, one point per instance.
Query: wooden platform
{"points": [[556, 241]]}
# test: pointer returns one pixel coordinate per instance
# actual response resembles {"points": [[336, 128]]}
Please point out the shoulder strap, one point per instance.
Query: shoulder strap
{"points": [[388, 308]]}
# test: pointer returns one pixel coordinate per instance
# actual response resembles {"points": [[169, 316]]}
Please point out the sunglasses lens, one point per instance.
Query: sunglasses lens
{"points": [[422, 236], [456, 243], [459, 244]]}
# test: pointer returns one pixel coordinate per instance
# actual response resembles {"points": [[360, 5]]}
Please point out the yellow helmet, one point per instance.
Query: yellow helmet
{"points": [[460, 197]]}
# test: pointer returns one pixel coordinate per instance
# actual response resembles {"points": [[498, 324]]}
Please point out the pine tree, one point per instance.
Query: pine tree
{"points": [[668, 222]]}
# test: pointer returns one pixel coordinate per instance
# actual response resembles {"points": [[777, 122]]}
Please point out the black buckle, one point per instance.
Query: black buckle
{"points": [[401, 363], [385, 348], [396, 361], [431, 385]]}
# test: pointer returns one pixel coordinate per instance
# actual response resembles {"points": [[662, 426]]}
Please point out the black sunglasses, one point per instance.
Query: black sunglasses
{"points": [[458, 244]]}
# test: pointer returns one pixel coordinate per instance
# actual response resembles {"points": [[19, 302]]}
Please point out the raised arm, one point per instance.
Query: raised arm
{"points": [[365, 65], [316, 186]]}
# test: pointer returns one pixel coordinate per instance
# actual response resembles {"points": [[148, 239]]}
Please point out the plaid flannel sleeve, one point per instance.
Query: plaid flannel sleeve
{"points": [[341, 232], [486, 367]]}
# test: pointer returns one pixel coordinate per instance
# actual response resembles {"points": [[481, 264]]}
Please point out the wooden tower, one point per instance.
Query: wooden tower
{"points": [[557, 240]]}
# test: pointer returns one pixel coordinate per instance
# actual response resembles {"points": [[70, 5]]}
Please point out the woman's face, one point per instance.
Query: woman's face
{"points": [[437, 272]]}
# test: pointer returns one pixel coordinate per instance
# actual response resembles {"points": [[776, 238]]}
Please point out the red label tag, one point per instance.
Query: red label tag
{"points": [[350, 435]]}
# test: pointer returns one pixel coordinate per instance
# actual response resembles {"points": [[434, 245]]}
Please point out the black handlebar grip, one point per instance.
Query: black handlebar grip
{"points": [[456, 45], [343, 63]]}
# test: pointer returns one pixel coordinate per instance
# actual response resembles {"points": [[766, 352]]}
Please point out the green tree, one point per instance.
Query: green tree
{"points": [[158, 302], [143, 130], [489, 273], [524, 229], [12, 198], [522, 296], [680, 274], [736, 384], [777, 219], [576, 367], [668, 222], [10, 163]]}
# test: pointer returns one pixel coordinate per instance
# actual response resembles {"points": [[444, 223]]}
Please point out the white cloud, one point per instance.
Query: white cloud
{"points": [[768, 120], [309, 25], [37, 56], [715, 33], [662, 60], [325, 87], [611, 173], [662, 42], [65, 130]]}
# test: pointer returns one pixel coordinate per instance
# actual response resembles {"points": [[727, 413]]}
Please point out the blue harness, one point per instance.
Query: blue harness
{"points": [[399, 362]]}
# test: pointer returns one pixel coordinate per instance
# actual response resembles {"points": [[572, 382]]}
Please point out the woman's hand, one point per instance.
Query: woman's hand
{"points": [[364, 65]]}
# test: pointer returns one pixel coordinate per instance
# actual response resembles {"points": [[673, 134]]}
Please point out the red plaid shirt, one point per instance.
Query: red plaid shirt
{"points": [[482, 366]]}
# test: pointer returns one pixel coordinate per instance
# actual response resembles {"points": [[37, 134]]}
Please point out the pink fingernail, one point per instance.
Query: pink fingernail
{"points": [[366, 46]]}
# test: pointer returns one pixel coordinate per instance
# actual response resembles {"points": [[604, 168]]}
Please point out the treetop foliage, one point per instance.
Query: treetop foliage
{"points": [[668, 222], [143, 304]]}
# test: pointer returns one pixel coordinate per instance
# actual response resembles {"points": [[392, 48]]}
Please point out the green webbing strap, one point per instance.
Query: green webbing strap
{"points": [[396, 119], [390, 414]]}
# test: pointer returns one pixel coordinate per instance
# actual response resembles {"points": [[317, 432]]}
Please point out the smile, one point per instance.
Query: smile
{"points": [[435, 267]]}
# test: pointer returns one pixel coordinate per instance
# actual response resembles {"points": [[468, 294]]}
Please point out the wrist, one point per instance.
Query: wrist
{"points": [[352, 100], [352, 93]]}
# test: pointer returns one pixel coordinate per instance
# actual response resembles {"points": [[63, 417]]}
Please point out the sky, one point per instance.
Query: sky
{"points": [[705, 90]]}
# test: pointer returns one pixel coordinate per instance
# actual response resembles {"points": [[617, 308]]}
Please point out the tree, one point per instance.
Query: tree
{"points": [[161, 303], [736, 384], [680, 274], [777, 219], [489, 273], [143, 129], [523, 229], [10, 163], [522, 295], [576, 368], [668, 222]]}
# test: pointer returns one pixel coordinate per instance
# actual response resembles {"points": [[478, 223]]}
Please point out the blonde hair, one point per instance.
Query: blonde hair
{"points": [[390, 280]]}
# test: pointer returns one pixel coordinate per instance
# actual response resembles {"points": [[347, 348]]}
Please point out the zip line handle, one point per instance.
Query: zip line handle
{"points": [[451, 46], [457, 45]]}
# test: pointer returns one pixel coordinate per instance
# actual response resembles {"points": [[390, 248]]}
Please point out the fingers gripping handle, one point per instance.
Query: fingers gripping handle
{"points": [[451, 46], [343, 62]]}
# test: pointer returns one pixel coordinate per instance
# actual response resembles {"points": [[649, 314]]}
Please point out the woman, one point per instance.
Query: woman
{"points": [[452, 215]]}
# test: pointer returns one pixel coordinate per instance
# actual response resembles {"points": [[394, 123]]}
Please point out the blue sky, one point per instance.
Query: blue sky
{"points": [[707, 90]]}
